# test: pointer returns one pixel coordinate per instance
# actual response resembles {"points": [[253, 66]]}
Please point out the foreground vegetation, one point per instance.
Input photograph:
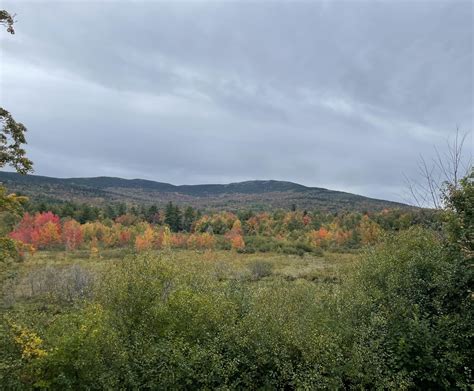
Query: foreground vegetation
{"points": [[399, 316]]}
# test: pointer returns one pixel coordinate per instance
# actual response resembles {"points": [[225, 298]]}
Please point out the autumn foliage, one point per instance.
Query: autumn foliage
{"points": [[235, 236], [201, 241], [145, 241], [289, 232], [41, 231], [72, 234]]}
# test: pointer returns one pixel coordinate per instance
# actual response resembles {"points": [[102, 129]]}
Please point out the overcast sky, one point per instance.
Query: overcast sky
{"points": [[338, 94]]}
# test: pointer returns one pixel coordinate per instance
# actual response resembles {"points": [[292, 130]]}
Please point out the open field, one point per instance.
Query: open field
{"points": [[48, 272]]}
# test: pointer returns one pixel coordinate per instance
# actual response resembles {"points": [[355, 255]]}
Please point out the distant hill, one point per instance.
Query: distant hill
{"points": [[257, 194]]}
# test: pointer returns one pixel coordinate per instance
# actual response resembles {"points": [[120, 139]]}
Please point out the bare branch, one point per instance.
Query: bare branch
{"points": [[445, 169]]}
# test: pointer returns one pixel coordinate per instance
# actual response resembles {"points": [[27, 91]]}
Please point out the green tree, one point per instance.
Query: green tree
{"points": [[121, 209], [134, 211], [110, 212], [7, 20], [68, 209], [459, 200], [12, 139], [88, 213], [408, 309], [173, 217], [189, 218], [153, 215], [12, 133]]}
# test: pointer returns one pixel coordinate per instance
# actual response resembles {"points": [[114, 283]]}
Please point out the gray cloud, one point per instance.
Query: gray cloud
{"points": [[339, 94]]}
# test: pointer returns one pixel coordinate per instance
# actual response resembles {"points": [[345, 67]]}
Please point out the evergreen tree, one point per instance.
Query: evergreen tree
{"points": [[67, 210], [110, 212], [121, 209], [88, 213], [179, 219], [173, 217], [153, 215], [189, 218], [244, 215], [134, 211]]}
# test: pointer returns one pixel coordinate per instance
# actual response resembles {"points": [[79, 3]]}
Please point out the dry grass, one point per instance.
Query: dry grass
{"points": [[66, 276]]}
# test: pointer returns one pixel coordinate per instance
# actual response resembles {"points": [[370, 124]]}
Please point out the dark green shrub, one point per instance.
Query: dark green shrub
{"points": [[261, 243], [246, 250], [317, 251], [260, 269], [408, 316], [292, 250], [222, 243]]}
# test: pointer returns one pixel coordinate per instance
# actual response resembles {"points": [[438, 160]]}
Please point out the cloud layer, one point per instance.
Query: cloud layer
{"points": [[338, 94]]}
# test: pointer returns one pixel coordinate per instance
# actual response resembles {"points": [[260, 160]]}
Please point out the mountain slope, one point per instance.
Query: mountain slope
{"points": [[257, 194]]}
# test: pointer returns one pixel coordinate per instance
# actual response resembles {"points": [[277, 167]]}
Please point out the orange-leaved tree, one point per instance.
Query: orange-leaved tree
{"points": [[41, 231], [72, 235]]}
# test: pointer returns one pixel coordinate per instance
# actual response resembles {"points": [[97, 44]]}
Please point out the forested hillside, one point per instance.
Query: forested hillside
{"points": [[258, 195]]}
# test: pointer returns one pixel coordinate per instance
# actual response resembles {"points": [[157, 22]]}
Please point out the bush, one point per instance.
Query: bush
{"points": [[292, 250], [317, 251], [8, 250], [261, 244], [304, 247], [222, 243], [408, 316], [246, 250], [260, 269]]}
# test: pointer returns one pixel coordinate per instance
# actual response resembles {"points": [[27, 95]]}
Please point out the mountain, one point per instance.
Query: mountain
{"points": [[257, 194]]}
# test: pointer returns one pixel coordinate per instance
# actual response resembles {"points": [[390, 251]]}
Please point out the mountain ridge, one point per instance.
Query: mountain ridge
{"points": [[254, 194]]}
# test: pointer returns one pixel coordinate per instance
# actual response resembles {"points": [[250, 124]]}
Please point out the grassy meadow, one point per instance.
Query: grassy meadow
{"points": [[211, 297], [49, 274]]}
